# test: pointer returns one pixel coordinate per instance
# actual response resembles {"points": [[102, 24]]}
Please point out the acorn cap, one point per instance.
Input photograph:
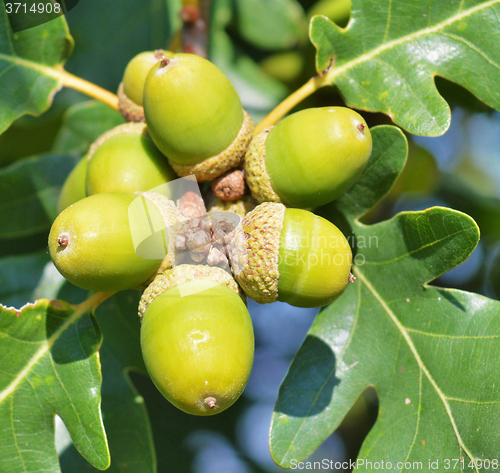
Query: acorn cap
{"points": [[138, 128], [183, 273], [254, 252], [239, 207], [172, 218], [129, 109], [231, 157], [255, 170]]}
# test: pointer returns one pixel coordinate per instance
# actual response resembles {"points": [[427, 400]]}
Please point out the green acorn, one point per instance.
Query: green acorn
{"points": [[195, 116], [73, 188], [290, 255], [131, 89], [310, 158], [101, 244], [197, 338], [125, 159]]}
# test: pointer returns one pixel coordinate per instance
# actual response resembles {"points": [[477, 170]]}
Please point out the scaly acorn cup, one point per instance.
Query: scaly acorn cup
{"points": [[197, 338], [239, 207], [73, 188], [125, 159], [290, 255], [195, 117], [309, 158], [91, 244], [173, 224], [131, 88]]}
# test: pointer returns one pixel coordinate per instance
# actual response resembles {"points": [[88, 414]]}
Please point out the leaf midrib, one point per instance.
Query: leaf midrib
{"points": [[337, 71], [16, 60], [359, 274]]}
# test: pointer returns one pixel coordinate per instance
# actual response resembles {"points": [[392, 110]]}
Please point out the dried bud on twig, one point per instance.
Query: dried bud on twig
{"points": [[230, 186]]}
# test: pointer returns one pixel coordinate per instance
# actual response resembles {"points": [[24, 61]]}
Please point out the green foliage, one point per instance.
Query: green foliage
{"points": [[495, 275], [20, 277], [430, 352], [123, 410], [387, 57], [29, 190], [83, 124], [50, 366], [108, 37], [28, 60], [236, 59], [278, 24]]}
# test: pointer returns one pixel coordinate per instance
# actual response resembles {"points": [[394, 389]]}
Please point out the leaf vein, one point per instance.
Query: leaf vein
{"points": [[421, 364], [473, 47], [39, 354], [416, 250], [335, 72], [418, 416], [452, 337], [470, 401]]}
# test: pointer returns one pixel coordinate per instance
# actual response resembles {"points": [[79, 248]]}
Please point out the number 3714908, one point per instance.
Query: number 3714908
{"points": [[48, 7], [454, 463]]}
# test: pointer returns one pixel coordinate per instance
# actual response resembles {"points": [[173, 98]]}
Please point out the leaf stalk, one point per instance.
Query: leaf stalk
{"points": [[311, 86], [86, 87]]}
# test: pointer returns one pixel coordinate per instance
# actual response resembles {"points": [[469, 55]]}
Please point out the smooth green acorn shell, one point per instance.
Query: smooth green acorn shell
{"points": [[73, 188], [136, 72], [97, 252], [125, 159], [313, 156], [198, 344], [314, 260], [192, 110], [290, 255]]}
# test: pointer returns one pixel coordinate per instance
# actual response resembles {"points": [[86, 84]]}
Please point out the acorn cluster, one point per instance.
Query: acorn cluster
{"points": [[117, 230]]}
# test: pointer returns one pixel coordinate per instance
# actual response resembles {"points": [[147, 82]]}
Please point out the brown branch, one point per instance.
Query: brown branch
{"points": [[195, 17]]}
